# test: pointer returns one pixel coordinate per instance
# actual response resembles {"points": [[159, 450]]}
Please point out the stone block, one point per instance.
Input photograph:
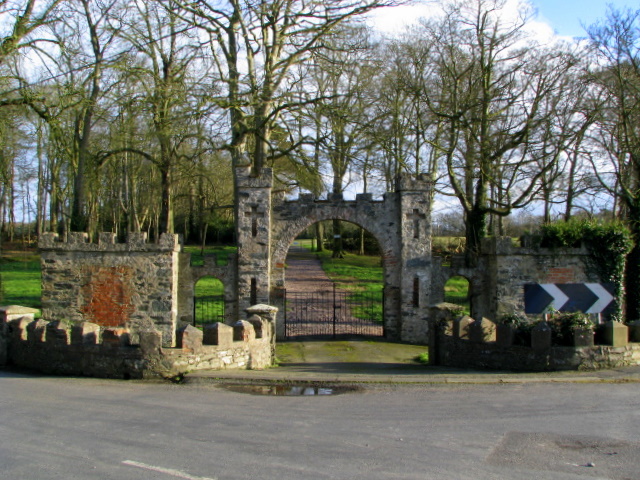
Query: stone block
{"points": [[12, 312], [444, 312], [85, 333], [267, 312], [19, 328], [218, 334], [107, 238], [582, 337], [189, 338], [137, 239], [58, 333], [75, 238], [243, 331], [36, 331], [482, 331], [541, 337], [446, 327], [505, 335], [615, 334], [115, 337], [151, 342], [461, 327], [259, 325], [634, 331]]}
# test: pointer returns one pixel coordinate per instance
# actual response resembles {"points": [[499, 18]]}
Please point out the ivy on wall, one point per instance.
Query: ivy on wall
{"points": [[608, 245]]}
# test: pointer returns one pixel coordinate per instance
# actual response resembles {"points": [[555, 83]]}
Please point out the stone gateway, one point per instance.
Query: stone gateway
{"points": [[126, 309]]}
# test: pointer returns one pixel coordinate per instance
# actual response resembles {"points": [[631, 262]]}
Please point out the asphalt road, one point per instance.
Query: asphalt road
{"points": [[69, 428]]}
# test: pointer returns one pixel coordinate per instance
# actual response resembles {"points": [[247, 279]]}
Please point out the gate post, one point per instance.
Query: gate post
{"points": [[253, 231], [415, 256]]}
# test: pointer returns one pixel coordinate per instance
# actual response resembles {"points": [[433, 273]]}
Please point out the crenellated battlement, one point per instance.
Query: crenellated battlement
{"points": [[107, 242], [247, 178], [85, 348], [406, 182]]}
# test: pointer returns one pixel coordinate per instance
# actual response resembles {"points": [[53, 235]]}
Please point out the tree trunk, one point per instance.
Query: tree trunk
{"points": [[338, 250], [319, 230], [475, 226], [166, 206]]}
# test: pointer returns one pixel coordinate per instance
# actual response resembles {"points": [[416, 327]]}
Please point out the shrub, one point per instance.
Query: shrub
{"points": [[564, 324]]}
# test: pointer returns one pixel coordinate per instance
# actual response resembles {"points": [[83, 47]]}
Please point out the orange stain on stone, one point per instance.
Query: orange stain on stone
{"points": [[108, 296]]}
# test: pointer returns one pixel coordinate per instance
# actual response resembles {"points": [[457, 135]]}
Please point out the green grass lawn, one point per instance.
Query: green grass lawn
{"points": [[209, 301], [362, 276], [20, 274], [221, 252], [456, 291]]}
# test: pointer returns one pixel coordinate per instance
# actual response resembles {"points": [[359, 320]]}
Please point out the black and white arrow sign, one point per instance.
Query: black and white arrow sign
{"points": [[568, 297]]}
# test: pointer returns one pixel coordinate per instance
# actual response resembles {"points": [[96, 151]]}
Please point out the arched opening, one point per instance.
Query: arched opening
{"points": [[331, 296], [457, 290], [208, 301]]}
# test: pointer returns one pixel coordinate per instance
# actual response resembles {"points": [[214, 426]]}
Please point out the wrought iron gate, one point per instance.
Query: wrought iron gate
{"points": [[208, 309], [333, 313]]}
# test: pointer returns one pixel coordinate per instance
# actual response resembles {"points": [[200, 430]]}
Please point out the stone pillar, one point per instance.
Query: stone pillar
{"points": [[269, 314], [415, 256], [615, 334], [253, 231]]}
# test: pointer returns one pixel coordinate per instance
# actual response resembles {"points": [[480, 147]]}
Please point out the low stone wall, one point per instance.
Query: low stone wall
{"points": [[86, 349], [467, 354], [465, 343]]}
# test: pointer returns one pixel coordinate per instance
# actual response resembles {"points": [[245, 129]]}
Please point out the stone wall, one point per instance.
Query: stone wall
{"points": [[189, 275], [87, 349], [459, 341], [132, 284], [497, 283]]}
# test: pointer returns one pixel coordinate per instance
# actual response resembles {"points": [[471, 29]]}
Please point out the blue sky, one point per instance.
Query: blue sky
{"points": [[565, 16]]}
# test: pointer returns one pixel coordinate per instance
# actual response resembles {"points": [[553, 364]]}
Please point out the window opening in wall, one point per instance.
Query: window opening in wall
{"points": [[208, 301], [416, 292], [456, 291], [254, 291]]}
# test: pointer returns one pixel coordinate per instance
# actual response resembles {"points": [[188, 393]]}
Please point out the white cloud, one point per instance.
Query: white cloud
{"points": [[392, 21]]}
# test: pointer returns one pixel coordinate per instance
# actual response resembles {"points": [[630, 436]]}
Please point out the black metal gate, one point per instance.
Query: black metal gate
{"points": [[333, 313], [208, 309]]}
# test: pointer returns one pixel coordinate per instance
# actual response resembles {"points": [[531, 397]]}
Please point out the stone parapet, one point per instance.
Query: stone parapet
{"points": [[136, 242], [452, 348], [85, 349]]}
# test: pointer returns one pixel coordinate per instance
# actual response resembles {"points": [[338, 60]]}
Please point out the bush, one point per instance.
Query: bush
{"points": [[564, 324], [522, 327]]}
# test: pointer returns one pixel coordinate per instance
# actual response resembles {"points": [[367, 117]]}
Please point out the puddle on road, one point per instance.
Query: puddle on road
{"points": [[292, 390]]}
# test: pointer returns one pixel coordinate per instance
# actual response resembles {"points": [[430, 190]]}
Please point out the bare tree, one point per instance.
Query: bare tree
{"points": [[494, 93], [616, 42], [255, 45]]}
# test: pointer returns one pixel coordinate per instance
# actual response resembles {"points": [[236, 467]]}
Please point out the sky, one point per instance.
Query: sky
{"points": [[567, 16], [562, 17]]}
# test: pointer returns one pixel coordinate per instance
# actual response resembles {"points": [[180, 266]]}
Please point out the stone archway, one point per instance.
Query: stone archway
{"points": [[316, 306], [401, 223]]}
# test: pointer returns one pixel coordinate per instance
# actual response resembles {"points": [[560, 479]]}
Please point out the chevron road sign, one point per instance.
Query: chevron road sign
{"points": [[568, 297]]}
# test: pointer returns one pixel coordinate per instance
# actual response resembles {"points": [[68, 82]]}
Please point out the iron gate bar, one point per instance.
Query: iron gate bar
{"points": [[208, 309], [333, 313]]}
